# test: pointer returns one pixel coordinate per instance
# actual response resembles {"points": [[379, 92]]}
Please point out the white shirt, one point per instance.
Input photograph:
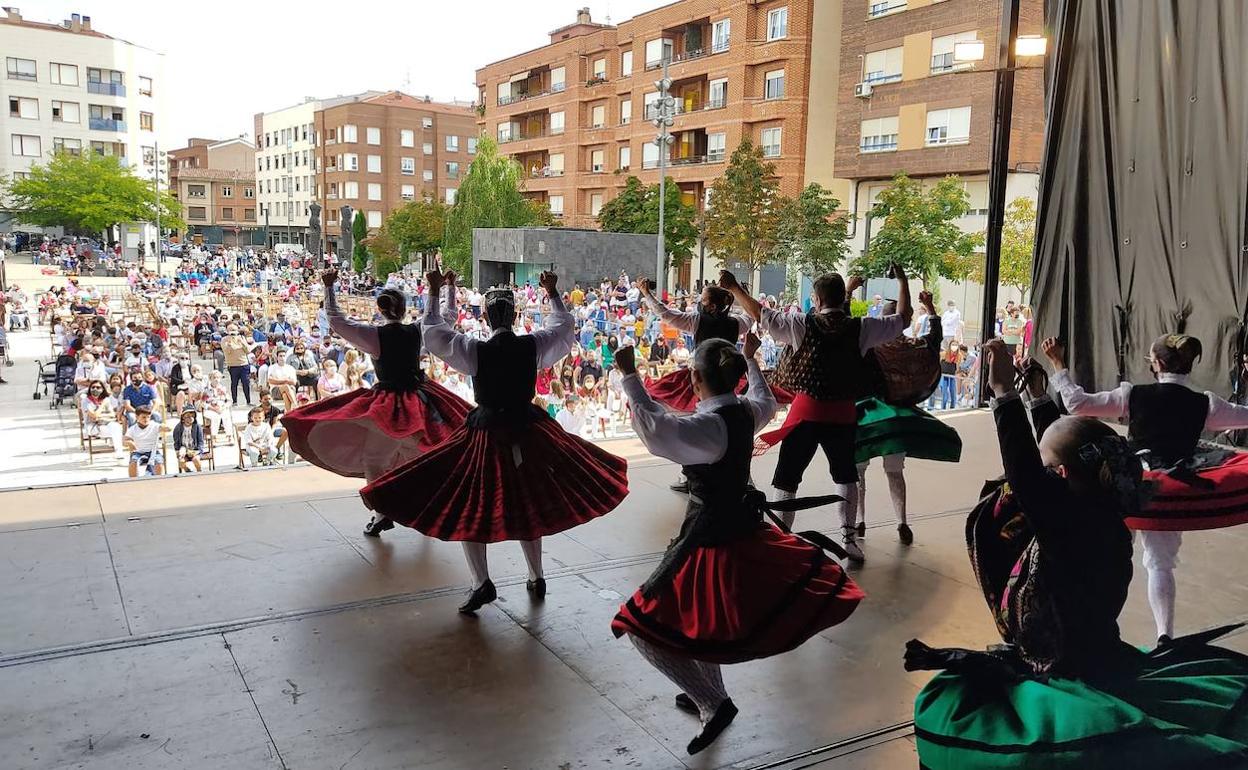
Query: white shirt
{"points": [[258, 436], [789, 328], [145, 439], [701, 437], [363, 336], [283, 373], [1116, 404], [459, 351], [687, 321], [570, 421]]}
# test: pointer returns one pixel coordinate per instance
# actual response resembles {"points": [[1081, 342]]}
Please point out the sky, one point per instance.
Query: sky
{"points": [[227, 60]]}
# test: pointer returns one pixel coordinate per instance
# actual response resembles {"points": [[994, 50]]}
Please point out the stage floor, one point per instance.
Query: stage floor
{"points": [[242, 621]]}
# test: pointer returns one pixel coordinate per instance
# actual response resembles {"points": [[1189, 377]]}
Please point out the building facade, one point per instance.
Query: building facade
{"points": [[69, 88], [216, 184]]}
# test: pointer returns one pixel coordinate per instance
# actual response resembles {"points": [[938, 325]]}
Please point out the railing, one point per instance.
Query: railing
{"points": [[882, 143], [545, 172], [696, 53], [884, 8], [107, 89], [680, 107], [106, 124], [692, 160], [22, 76], [596, 80], [876, 78], [535, 135]]}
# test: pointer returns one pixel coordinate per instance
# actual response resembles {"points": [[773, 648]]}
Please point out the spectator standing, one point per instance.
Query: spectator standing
{"points": [[235, 348]]}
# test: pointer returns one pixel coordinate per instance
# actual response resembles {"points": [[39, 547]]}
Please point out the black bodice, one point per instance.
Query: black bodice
{"points": [[398, 365], [1166, 419]]}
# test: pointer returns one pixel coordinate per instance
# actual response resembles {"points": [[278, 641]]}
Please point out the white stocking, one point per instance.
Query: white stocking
{"points": [[849, 508], [477, 564], [1161, 599], [897, 488], [533, 557], [702, 682], [787, 516], [371, 475], [862, 493]]}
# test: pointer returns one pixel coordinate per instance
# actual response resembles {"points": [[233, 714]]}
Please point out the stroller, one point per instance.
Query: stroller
{"points": [[60, 376]]}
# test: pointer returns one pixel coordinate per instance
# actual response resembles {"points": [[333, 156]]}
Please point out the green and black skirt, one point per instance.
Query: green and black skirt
{"points": [[884, 429]]}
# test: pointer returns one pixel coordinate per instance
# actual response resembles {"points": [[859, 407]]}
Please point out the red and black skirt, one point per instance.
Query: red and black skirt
{"points": [[1209, 498], [506, 482], [675, 391], [757, 596], [367, 432]]}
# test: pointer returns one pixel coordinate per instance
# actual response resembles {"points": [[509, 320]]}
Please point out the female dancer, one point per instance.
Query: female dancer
{"points": [[1052, 554], [510, 473], [1193, 490], [731, 587], [367, 432]]}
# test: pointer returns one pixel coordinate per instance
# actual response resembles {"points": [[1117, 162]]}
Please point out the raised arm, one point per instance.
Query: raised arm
{"points": [[362, 336], [457, 350], [1108, 404], [1223, 415], [559, 335], [904, 308], [747, 303], [759, 396], [686, 439]]}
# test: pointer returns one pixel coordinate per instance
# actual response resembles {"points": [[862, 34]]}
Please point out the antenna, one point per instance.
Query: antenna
{"points": [[407, 81], [608, 12]]}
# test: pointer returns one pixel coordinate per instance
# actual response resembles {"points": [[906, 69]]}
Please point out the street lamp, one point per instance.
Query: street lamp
{"points": [[158, 167], [664, 110]]}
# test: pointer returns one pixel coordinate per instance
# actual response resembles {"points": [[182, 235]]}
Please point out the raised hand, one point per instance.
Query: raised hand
{"points": [[549, 281], [855, 283], [1055, 352], [643, 286], [1000, 363], [450, 278], [624, 360], [329, 277], [925, 299], [728, 281], [435, 280], [752, 343]]}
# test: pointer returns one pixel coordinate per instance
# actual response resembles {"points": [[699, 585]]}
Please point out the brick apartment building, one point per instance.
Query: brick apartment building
{"points": [[215, 183], [378, 152], [575, 112]]}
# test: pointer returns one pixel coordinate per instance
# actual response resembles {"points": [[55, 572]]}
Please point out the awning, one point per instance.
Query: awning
{"points": [[522, 76]]}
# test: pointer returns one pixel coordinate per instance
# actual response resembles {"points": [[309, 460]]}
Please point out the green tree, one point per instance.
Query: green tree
{"points": [[636, 210], [489, 196], [359, 233], [385, 253], [88, 194], [810, 237], [417, 227], [1018, 243], [626, 212], [743, 211], [920, 231]]}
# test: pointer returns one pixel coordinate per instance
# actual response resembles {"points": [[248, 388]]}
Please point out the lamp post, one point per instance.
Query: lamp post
{"points": [[665, 108], [158, 167]]}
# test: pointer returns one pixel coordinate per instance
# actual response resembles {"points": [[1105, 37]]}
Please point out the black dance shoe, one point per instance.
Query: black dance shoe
{"points": [[681, 486], [479, 598], [1164, 641], [862, 529], [537, 588], [686, 704], [904, 534], [377, 525], [723, 717]]}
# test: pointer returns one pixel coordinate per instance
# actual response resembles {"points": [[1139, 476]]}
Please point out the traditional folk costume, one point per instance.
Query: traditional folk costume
{"points": [[731, 587], [367, 432], [511, 472], [1193, 488], [1065, 691], [825, 369]]}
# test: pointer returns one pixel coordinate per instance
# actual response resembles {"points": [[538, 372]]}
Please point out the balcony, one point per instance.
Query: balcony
{"points": [[883, 143], [106, 124], [684, 106], [520, 136], [107, 89], [884, 8], [880, 78]]}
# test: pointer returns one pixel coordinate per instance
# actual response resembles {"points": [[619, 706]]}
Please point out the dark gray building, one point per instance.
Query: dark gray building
{"points": [[516, 255]]}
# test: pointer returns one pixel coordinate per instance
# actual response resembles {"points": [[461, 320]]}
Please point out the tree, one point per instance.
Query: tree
{"points": [[810, 238], [919, 231], [359, 233], [1018, 242], [626, 212], [743, 211], [489, 196], [385, 253], [88, 194], [636, 210], [417, 227]]}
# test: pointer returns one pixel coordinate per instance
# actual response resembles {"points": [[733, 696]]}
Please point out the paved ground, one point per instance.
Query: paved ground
{"points": [[242, 621]]}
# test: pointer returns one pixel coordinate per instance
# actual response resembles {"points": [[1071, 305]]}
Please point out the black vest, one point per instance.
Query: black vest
{"points": [[716, 326], [398, 365], [724, 482], [506, 378], [828, 365], [1167, 419]]}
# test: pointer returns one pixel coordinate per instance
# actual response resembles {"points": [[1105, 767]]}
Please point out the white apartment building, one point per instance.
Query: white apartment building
{"points": [[286, 168], [70, 88]]}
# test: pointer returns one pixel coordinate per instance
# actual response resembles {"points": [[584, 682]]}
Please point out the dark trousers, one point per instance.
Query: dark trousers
{"points": [[798, 449], [240, 375]]}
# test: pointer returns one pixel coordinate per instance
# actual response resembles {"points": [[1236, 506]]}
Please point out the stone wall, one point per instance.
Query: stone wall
{"points": [[578, 256]]}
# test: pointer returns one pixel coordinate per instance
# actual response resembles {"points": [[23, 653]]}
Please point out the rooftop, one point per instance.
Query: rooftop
{"points": [[77, 24]]}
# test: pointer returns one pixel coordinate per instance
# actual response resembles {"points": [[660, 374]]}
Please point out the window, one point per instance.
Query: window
{"points": [[649, 155], [452, 143], [374, 164], [504, 93], [657, 51], [145, 121], [942, 51], [20, 69], [452, 170], [558, 78], [626, 157], [472, 145], [20, 175], [407, 138], [556, 164], [145, 86], [374, 219], [372, 135], [882, 66], [626, 111], [626, 69], [26, 146], [595, 204], [771, 142], [70, 146], [556, 205], [450, 196], [778, 23], [718, 94], [598, 116], [350, 133], [720, 32], [426, 122], [227, 213], [773, 85], [196, 190], [63, 74], [556, 123], [427, 148], [196, 212], [504, 132], [596, 165], [351, 162], [351, 190], [427, 175], [650, 105], [21, 107], [879, 135], [715, 146], [885, 7], [600, 69], [374, 191], [227, 191], [249, 192], [407, 192], [249, 215], [949, 126], [407, 166]]}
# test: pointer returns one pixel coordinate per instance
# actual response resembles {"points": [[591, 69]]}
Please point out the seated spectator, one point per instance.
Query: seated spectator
{"points": [[89, 370], [282, 379], [138, 395], [330, 383], [142, 440], [100, 418], [216, 400], [189, 443], [257, 439], [304, 363]]}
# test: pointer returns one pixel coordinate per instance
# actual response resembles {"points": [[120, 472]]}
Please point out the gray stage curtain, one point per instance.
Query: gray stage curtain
{"points": [[1143, 225]]}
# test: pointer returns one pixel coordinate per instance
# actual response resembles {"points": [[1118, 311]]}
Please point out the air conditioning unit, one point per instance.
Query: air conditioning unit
{"points": [[862, 90]]}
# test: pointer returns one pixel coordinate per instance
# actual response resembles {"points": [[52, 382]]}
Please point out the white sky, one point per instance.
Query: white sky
{"points": [[226, 60]]}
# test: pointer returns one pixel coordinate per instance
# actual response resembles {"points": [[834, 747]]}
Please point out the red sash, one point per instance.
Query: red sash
{"points": [[807, 409]]}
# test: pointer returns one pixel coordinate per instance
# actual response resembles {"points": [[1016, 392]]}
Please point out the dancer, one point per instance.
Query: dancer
{"points": [[511, 473], [1194, 489], [367, 432], [731, 587], [1052, 555], [826, 370], [894, 432]]}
